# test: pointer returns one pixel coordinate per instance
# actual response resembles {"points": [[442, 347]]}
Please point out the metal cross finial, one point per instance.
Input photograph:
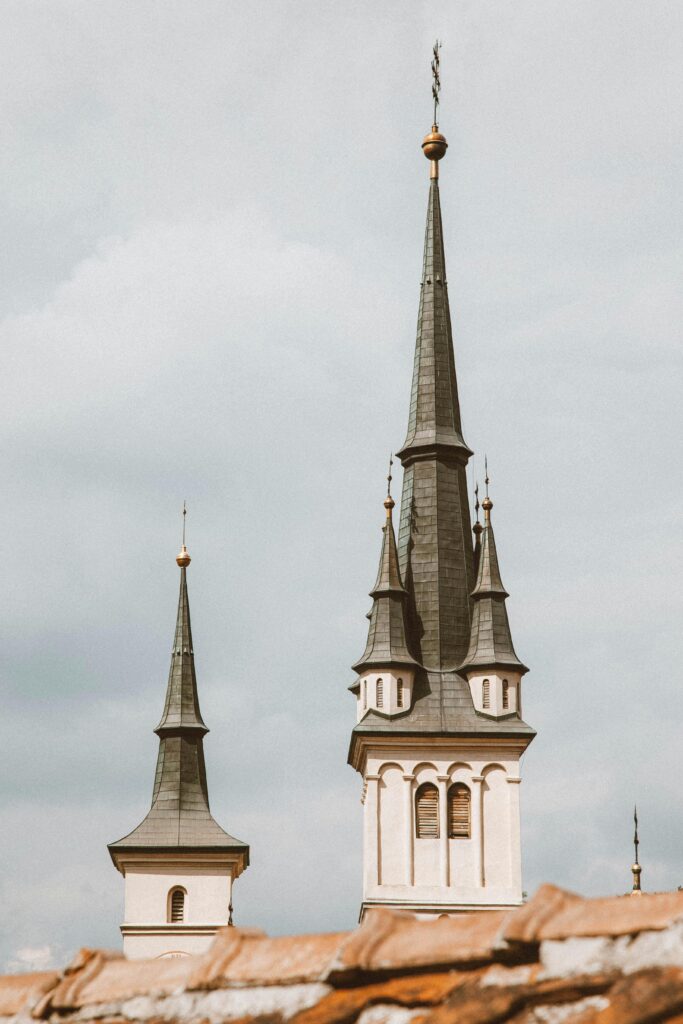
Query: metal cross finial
{"points": [[636, 841], [486, 471], [184, 515], [477, 506], [389, 478], [436, 81]]}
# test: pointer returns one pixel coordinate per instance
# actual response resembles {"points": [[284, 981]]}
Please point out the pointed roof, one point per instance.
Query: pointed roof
{"points": [[434, 418], [179, 819], [386, 645], [435, 539], [490, 640]]}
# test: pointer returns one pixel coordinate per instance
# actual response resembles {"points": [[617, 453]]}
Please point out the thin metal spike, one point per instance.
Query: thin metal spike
{"points": [[389, 477], [184, 517]]}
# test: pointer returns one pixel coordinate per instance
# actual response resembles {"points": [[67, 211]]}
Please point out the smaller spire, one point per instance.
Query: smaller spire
{"points": [[386, 645], [490, 638], [635, 867], [182, 558]]}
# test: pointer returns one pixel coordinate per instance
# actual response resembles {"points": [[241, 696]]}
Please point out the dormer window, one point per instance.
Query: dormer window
{"points": [[486, 694], [380, 693]]}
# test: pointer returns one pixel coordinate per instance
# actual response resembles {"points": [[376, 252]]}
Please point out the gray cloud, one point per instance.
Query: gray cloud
{"points": [[213, 224]]}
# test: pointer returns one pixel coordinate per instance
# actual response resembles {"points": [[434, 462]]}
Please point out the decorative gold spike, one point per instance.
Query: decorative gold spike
{"points": [[635, 867], [183, 559]]}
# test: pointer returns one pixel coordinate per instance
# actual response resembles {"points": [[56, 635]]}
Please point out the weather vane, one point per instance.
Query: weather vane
{"points": [[391, 462], [436, 81]]}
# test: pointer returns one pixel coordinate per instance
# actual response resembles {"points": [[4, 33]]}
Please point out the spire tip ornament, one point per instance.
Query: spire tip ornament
{"points": [[486, 504], [635, 867], [389, 502], [434, 144], [182, 558]]}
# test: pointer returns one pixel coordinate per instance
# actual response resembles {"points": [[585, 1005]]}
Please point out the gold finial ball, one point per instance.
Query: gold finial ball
{"points": [[183, 559], [487, 504], [434, 145], [389, 503]]}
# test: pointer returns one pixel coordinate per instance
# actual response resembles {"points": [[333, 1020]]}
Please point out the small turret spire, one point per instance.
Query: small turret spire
{"points": [[386, 645], [635, 867], [490, 639]]}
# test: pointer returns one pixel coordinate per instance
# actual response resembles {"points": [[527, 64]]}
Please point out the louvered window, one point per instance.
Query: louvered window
{"points": [[459, 811], [486, 694], [399, 694], [427, 812], [177, 908], [506, 694], [380, 693]]}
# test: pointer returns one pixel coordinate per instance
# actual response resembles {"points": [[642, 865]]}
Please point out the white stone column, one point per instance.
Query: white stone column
{"points": [[408, 830], [371, 834], [515, 836], [443, 781], [478, 831]]}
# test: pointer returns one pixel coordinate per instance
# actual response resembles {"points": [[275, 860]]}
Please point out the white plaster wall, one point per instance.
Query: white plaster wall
{"points": [[367, 693], [208, 888], [401, 870], [476, 682], [392, 849], [146, 946], [497, 840]]}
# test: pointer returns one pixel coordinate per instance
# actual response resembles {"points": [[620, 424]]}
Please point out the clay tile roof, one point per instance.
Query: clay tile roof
{"points": [[559, 959]]}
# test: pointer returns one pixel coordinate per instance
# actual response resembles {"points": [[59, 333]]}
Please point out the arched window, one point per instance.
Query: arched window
{"points": [[459, 811], [364, 686], [380, 693], [399, 694], [176, 906], [486, 694], [427, 811], [506, 694]]}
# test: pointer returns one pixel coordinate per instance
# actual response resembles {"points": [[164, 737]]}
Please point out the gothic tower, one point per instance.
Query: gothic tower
{"points": [[439, 732], [178, 864]]}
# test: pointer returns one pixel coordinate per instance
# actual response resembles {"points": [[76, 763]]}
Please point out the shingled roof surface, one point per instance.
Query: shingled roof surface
{"points": [[559, 959]]}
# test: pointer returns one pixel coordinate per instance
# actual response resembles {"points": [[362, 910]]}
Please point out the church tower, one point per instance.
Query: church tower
{"points": [[178, 864], [439, 732]]}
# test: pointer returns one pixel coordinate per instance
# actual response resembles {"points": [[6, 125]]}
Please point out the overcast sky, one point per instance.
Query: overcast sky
{"points": [[212, 223]]}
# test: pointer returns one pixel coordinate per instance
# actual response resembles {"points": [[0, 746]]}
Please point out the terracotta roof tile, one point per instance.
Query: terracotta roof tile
{"points": [[558, 960]]}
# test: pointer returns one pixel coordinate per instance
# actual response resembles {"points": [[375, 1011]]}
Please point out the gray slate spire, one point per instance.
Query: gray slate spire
{"points": [[491, 641], [386, 644], [179, 818], [435, 540]]}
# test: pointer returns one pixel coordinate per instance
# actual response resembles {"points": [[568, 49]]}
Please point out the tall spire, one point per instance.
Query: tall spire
{"points": [[180, 815], [490, 641], [435, 541], [386, 645]]}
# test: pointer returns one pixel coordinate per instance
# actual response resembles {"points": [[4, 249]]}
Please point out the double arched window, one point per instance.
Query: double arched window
{"points": [[459, 817], [427, 811], [176, 905]]}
